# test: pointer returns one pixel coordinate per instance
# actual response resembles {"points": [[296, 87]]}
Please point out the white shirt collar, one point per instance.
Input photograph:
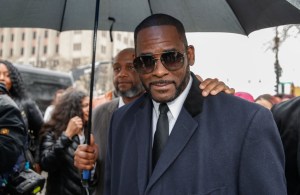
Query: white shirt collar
{"points": [[121, 102], [174, 106]]}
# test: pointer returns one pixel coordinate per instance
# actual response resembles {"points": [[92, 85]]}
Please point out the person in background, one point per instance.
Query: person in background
{"points": [[244, 95], [286, 115], [265, 100], [60, 136], [51, 107], [12, 136], [32, 116], [128, 88]]}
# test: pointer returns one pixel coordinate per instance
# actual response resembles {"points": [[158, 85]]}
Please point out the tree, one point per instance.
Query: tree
{"points": [[281, 34]]}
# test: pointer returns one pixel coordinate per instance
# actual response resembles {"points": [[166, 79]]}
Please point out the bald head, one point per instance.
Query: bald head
{"points": [[126, 80]]}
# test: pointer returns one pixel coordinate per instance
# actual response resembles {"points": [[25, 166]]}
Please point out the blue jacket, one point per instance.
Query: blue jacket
{"points": [[219, 145]]}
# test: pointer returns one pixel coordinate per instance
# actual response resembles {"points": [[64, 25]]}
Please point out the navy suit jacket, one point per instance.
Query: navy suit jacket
{"points": [[219, 145]]}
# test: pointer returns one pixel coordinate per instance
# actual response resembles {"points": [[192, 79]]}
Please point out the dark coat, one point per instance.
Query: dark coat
{"points": [[12, 133], [287, 117], [219, 145], [57, 158], [34, 120], [101, 119]]}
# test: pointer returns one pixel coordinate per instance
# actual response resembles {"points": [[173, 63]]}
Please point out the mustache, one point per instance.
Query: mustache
{"points": [[161, 82]]}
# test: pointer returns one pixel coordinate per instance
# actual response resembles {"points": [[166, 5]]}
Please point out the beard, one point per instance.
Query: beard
{"points": [[178, 89], [133, 92]]}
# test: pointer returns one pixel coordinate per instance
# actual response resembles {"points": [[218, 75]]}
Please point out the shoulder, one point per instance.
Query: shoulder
{"points": [[111, 105], [234, 108], [287, 107], [5, 100], [286, 114], [223, 100]]}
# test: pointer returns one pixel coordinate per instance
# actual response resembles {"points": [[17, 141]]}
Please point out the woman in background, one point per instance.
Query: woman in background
{"points": [[60, 137]]}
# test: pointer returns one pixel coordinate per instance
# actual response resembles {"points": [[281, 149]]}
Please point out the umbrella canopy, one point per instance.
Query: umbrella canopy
{"points": [[234, 16]]}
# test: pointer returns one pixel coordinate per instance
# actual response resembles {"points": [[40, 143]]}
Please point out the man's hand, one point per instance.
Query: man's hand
{"points": [[214, 86], [85, 155]]}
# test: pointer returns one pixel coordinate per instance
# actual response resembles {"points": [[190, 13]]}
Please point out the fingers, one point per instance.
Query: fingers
{"points": [[77, 121], [209, 86], [230, 91], [214, 86], [74, 126], [85, 156], [199, 78]]}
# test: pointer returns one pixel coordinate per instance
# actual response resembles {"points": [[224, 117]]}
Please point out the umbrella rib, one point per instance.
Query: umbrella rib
{"points": [[63, 16], [245, 32], [150, 7]]}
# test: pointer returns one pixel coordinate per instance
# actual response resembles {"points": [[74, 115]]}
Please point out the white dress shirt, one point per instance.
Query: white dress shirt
{"points": [[174, 109]]}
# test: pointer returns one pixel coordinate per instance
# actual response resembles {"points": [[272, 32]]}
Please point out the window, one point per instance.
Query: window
{"points": [[0, 52], [33, 50], [23, 36], [57, 34], [57, 48], [2, 38], [11, 52], [22, 51], [103, 49], [77, 32], [45, 49], [12, 37], [119, 37], [34, 35], [126, 40], [46, 33], [76, 61], [77, 47]]}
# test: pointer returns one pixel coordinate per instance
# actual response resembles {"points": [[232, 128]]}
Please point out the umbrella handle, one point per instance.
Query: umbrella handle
{"points": [[111, 28]]}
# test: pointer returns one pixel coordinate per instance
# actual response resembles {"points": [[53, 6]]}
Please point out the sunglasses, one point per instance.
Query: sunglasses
{"points": [[171, 60]]}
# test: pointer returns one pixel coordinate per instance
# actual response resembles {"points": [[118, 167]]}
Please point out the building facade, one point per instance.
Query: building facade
{"points": [[63, 51]]}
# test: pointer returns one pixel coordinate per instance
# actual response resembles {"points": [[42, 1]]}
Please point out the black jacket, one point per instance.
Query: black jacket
{"points": [[12, 133], [287, 117], [56, 157], [33, 119]]}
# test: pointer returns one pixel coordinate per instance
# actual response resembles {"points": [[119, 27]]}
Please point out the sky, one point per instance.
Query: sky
{"points": [[245, 63]]}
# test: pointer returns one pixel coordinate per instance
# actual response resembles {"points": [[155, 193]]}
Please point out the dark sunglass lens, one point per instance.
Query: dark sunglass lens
{"points": [[144, 64], [137, 63], [172, 60]]}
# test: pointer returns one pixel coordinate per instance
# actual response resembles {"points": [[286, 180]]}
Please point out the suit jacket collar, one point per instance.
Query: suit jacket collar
{"points": [[143, 126], [194, 101]]}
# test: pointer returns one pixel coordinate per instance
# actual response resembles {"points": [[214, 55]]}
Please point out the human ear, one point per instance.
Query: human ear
{"points": [[191, 55]]}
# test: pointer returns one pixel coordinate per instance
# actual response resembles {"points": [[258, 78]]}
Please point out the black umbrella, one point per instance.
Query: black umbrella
{"points": [[235, 16]]}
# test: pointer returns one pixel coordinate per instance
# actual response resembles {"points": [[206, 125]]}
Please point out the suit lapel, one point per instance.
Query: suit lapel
{"points": [[181, 134], [183, 130], [143, 126]]}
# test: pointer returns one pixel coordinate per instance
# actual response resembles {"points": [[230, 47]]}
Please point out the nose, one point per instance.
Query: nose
{"points": [[159, 69], [2, 76], [123, 72]]}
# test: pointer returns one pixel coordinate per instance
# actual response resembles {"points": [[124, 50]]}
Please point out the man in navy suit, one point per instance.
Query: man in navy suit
{"points": [[128, 87], [216, 145]]}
